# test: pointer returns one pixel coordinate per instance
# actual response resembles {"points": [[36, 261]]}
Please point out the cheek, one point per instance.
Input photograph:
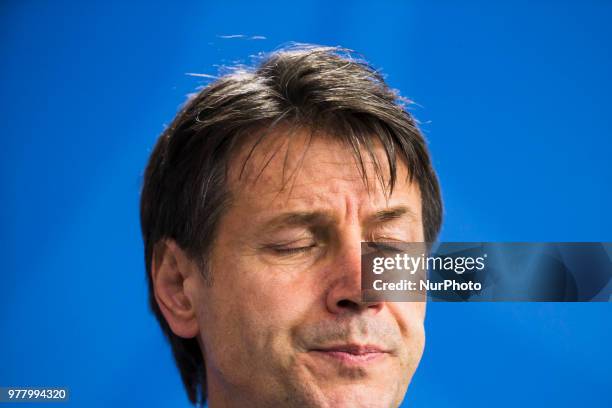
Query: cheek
{"points": [[411, 319], [247, 318]]}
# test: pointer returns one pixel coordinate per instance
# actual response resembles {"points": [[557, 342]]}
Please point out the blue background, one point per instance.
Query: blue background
{"points": [[514, 99]]}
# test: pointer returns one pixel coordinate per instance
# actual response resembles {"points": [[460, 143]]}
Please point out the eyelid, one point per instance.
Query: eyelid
{"points": [[392, 231], [385, 238], [283, 250], [287, 242], [298, 243], [296, 249]]}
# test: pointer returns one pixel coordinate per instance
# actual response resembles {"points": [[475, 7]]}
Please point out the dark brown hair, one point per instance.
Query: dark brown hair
{"points": [[328, 88]]}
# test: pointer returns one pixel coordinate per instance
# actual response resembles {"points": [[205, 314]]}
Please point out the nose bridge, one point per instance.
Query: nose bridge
{"points": [[347, 262], [344, 288]]}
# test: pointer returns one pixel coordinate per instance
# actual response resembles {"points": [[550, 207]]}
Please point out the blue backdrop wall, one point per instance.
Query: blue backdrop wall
{"points": [[514, 98]]}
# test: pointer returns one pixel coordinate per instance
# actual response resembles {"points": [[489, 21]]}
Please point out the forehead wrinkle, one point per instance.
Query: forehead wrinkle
{"points": [[262, 167], [340, 203]]}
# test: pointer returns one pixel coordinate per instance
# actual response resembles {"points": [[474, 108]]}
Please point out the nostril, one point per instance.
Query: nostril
{"points": [[347, 304]]}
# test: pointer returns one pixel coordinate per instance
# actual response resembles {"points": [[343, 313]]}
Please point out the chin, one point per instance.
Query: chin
{"points": [[361, 395]]}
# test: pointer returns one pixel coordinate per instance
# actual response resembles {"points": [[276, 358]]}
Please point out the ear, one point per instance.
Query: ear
{"points": [[170, 270]]}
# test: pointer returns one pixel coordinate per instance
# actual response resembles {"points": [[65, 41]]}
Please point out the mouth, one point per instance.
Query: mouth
{"points": [[352, 354]]}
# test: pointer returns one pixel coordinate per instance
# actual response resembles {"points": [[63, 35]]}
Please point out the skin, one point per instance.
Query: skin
{"points": [[283, 322]]}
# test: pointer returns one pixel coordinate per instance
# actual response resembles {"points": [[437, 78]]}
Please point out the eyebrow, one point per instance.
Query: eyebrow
{"points": [[317, 218], [390, 214], [299, 219]]}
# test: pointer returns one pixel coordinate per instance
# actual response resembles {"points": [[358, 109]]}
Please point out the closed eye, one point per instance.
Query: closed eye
{"points": [[286, 250], [295, 250]]}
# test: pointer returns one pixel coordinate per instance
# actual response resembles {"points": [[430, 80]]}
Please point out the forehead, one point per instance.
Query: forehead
{"points": [[295, 168]]}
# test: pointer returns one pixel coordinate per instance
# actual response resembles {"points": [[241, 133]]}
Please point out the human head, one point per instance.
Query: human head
{"points": [[236, 140]]}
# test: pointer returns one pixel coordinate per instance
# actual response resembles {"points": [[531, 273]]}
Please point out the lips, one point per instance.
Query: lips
{"points": [[352, 354], [354, 349]]}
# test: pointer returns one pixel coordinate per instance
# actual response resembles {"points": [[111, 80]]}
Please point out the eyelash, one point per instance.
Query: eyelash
{"points": [[280, 250]]}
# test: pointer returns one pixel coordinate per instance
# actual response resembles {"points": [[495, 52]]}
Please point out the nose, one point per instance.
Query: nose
{"points": [[343, 294]]}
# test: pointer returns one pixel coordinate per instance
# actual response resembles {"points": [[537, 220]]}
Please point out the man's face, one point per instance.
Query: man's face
{"points": [[283, 323]]}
